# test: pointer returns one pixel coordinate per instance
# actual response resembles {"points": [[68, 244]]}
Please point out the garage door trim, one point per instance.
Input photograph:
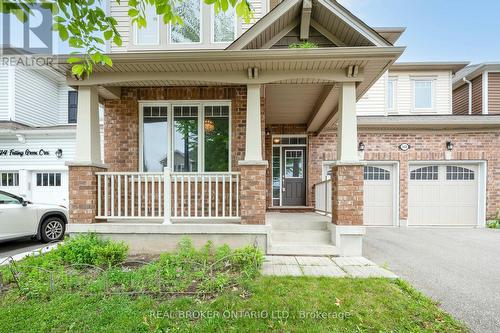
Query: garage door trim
{"points": [[395, 184], [482, 177]]}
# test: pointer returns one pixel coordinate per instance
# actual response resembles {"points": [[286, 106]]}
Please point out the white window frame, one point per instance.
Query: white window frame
{"points": [[136, 30], [212, 26], [10, 173], [170, 133], [394, 82], [169, 37], [432, 80]]}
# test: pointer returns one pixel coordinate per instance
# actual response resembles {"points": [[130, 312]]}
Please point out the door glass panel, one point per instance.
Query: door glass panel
{"points": [[294, 164]]}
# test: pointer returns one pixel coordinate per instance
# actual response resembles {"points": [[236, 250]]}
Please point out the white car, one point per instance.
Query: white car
{"points": [[20, 218]]}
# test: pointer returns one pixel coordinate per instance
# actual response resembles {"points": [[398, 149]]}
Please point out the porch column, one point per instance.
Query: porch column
{"points": [[347, 179], [82, 178], [253, 167]]}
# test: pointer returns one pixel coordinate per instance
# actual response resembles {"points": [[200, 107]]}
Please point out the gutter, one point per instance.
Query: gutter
{"points": [[470, 93]]}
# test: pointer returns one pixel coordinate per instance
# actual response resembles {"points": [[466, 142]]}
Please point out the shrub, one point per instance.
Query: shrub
{"points": [[494, 223], [303, 45], [90, 249]]}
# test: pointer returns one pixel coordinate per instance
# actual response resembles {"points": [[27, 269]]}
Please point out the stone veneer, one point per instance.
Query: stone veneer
{"points": [[83, 193], [347, 194]]}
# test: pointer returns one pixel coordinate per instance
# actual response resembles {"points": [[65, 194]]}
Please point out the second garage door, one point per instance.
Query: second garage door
{"points": [[443, 195], [378, 195]]}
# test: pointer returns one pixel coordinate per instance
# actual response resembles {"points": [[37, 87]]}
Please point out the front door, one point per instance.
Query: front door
{"points": [[293, 173]]}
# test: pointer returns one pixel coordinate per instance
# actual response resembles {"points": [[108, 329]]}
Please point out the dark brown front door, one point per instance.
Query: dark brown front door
{"points": [[293, 173]]}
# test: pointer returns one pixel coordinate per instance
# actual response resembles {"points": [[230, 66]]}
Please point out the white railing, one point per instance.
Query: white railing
{"points": [[147, 195], [323, 197]]}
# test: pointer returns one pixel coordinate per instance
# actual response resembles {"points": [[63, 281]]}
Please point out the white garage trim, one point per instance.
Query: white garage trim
{"points": [[395, 185], [481, 188]]}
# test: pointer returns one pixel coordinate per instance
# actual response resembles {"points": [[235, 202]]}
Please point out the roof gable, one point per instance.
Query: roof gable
{"points": [[328, 17]]}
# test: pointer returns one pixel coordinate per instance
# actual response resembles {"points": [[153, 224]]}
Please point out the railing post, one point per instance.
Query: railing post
{"points": [[167, 211]]}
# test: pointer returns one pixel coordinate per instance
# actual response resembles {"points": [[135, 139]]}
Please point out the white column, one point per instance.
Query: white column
{"points": [[347, 131], [253, 145], [88, 145]]}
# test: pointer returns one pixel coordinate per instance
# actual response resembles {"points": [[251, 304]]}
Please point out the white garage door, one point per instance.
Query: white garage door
{"points": [[379, 195], [50, 187], [443, 195]]}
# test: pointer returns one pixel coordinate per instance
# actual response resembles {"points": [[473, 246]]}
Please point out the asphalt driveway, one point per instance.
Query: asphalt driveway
{"points": [[13, 247], [459, 268]]}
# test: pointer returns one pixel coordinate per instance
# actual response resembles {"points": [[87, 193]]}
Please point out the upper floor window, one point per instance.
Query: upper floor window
{"points": [[190, 30], [391, 94], [224, 26], [148, 35], [72, 106], [423, 94]]}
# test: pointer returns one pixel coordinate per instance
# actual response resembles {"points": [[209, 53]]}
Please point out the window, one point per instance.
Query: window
{"points": [[190, 30], [72, 106], [8, 199], [458, 173], [290, 140], [391, 94], [216, 128], [186, 137], [148, 35], [46, 179], [293, 164], [423, 94], [374, 173], [224, 25], [155, 122], [425, 173], [276, 175], [9, 178]]}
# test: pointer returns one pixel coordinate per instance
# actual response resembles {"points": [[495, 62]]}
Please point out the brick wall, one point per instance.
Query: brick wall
{"points": [[253, 194], [347, 195], [83, 193], [121, 121]]}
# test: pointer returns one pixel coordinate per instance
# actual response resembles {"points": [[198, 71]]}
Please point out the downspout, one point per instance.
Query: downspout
{"points": [[470, 94]]}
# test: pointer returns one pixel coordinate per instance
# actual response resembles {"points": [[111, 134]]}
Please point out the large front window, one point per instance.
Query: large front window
{"points": [[186, 137]]}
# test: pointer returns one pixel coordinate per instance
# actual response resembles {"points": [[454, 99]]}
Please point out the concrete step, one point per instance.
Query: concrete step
{"points": [[299, 225], [300, 236], [302, 249]]}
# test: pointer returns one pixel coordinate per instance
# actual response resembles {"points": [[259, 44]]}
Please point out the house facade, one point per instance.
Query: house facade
{"points": [[213, 128], [37, 133]]}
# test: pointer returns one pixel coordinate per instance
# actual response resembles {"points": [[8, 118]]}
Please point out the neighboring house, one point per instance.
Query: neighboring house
{"points": [[37, 133], [476, 90], [340, 129]]}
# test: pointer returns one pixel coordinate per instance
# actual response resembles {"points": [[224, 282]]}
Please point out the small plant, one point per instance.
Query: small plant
{"points": [[303, 45], [494, 223]]}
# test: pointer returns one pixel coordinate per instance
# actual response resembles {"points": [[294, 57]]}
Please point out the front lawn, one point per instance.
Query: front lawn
{"points": [[212, 290]]}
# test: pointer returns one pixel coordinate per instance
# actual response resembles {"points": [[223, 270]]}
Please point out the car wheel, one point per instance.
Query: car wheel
{"points": [[53, 229]]}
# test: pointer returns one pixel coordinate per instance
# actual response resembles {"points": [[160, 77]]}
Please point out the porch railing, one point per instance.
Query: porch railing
{"points": [[323, 197], [168, 195]]}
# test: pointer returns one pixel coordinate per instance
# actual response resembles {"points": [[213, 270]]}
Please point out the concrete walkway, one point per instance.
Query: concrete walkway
{"points": [[459, 268], [357, 267]]}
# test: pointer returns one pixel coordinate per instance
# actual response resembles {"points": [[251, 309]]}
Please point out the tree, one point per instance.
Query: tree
{"points": [[86, 26]]}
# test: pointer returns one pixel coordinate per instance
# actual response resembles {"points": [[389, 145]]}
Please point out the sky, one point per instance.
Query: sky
{"points": [[438, 30]]}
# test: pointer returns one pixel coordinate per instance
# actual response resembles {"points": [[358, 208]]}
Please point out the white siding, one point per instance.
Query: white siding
{"points": [[373, 102], [259, 8], [36, 98], [4, 93], [404, 91]]}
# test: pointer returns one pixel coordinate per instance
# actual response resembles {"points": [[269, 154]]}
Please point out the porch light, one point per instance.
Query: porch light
{"points": [[449, 145], [361, 146], [276, 141], [59, 153], [209, 125]]}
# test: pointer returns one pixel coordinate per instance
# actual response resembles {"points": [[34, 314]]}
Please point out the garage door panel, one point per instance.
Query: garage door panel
{"points": [[447, 197], [378, 195]]}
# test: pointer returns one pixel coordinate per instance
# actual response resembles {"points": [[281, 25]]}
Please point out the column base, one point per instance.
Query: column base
{"points": [[347, 193], [253, 192], [348, 239]]}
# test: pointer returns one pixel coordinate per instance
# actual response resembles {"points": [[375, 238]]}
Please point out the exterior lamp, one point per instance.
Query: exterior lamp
{"points": [[276, 141], [361, 146], [449, 145], [59, 153], [209, 125]]}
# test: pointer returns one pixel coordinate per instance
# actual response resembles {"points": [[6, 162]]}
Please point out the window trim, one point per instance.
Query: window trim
{"points": [[169, 28], [432, 80], [394, 81], [15, 179], [135, 30], [212, 26], [201, 130], [301, 163]]}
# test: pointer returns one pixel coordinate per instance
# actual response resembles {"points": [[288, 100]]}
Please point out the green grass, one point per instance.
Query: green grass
{"points": [[208, 290]]}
